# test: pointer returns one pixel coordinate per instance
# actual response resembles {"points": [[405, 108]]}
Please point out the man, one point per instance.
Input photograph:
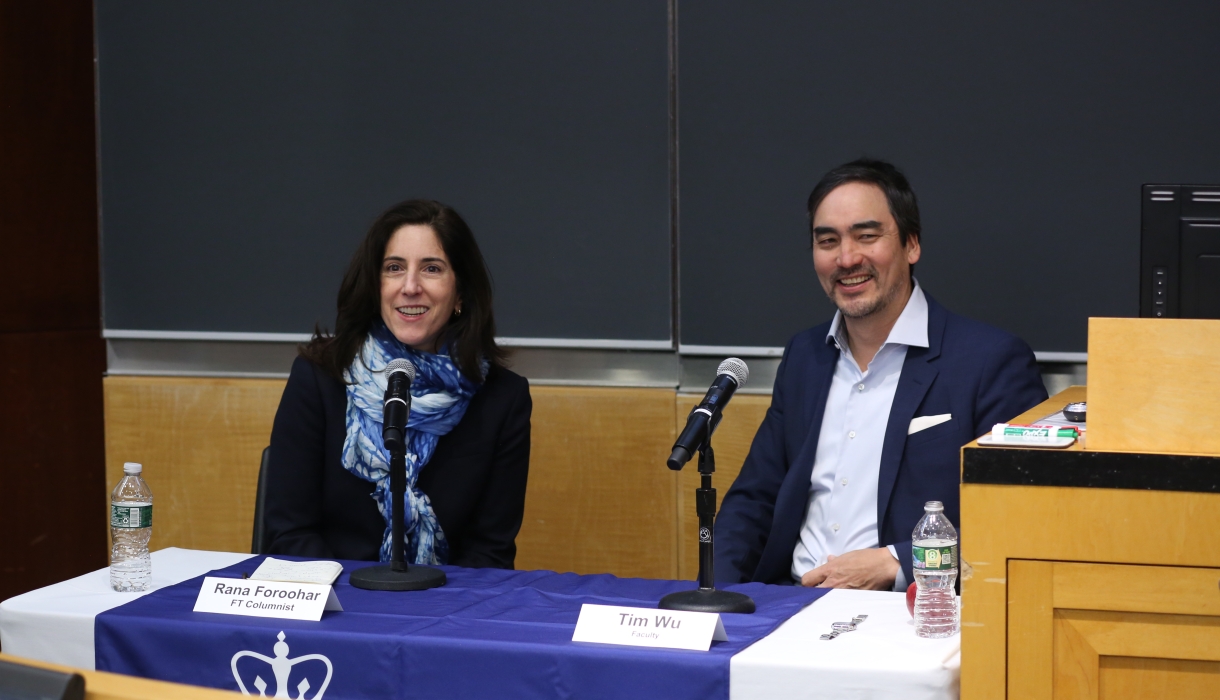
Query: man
{"points": [[870, 409]]}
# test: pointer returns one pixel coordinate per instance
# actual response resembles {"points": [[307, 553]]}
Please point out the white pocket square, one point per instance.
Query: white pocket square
{"points": [[925, 422]]}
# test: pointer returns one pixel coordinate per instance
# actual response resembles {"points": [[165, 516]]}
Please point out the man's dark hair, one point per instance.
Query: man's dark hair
{"points": [[470, 336], [898, 193]]}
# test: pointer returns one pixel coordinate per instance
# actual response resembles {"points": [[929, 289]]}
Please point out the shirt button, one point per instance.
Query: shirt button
{"points": [[861, 387], [835, 527], [852, 434], [845, 482]]}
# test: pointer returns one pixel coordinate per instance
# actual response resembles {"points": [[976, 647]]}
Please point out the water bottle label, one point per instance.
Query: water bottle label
{"points": [[934, 558], [129, 516]]}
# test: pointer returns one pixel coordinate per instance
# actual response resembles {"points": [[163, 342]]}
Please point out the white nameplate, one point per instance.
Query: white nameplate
{"points": [[293, 601], [648, 627]]}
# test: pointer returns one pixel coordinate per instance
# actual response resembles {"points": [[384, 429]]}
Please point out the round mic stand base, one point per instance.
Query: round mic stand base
{"points": [[708, 600], [385, 578], [396, 575]]}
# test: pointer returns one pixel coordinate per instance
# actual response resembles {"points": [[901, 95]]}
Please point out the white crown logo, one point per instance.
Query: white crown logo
{"points": [[281, 666]]}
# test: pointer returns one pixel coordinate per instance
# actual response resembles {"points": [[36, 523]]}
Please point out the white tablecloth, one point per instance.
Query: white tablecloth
{"points": [[881, 659], [55, 623]]}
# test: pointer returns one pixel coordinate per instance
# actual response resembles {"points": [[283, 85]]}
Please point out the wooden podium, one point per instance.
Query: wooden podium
{"points": [[1094, 571]]}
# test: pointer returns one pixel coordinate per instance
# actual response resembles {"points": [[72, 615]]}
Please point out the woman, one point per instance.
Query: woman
{"points": [[417, 288]]}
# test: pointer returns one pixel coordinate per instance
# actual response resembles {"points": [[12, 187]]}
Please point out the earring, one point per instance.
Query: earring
{"points": [[457, 311]]}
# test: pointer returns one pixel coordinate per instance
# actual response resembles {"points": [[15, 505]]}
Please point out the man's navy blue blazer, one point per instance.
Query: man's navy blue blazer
{"points": [[979, 374]]}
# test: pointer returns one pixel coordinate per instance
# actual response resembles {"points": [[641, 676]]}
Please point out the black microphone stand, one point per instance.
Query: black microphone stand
{"points": [[397, 576], [706, 598]]}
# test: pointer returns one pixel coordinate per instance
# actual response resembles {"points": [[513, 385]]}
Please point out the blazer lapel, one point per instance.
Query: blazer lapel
{"points": [[918, 373], [793, 496], [817, 378]]}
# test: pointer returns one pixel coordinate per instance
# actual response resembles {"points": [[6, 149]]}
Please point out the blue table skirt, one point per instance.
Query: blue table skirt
{"points": [[487, 633]]}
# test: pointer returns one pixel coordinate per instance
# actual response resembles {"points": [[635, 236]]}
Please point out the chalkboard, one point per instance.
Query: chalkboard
{"points": [[1026, 130], [246, 146]]}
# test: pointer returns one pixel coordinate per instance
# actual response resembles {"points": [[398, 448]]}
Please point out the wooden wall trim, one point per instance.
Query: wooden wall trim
{"points": [[600, 498], [201, 442]]}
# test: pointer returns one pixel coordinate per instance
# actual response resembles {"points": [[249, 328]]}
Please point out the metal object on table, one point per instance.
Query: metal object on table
{"points": [[838, 628], [1076, 412]]}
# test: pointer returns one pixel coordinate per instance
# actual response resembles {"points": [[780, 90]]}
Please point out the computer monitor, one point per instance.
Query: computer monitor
{"points": [[1180, 251]]}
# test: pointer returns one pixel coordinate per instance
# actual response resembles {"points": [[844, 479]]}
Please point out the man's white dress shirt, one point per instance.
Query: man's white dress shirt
{"points": [[842, 512]]}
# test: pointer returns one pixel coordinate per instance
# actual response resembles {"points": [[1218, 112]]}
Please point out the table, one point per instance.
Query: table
{"points": [[882, 658]]}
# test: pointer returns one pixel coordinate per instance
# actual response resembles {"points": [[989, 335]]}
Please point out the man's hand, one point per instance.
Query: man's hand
{"points": [[871, 569]]}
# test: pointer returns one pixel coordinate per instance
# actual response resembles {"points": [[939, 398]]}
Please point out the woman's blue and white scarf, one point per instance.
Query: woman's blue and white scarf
{"points": [[440, 395]]}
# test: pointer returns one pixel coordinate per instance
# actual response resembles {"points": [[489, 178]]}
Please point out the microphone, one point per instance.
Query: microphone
{"points": [[398, 377], [731, 375]]}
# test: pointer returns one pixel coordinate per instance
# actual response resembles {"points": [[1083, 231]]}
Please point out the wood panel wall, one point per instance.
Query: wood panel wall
{"points": [[600, 498], [51, 353], [201, 441]]}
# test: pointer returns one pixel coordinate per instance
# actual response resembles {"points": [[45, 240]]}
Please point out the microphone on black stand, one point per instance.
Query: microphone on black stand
{"points": [[397, 576], [697, 437], [397, 406], [702, 422]]}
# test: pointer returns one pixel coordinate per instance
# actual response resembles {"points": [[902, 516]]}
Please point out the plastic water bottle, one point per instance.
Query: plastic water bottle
{"points": [[130, 528], [934, 551]]}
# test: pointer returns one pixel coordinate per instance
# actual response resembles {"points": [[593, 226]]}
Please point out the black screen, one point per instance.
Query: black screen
{"points": [[1026, 130], [247, 146]]}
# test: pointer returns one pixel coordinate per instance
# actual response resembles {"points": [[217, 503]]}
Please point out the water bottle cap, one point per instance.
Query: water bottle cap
{"points": [[132, 467], [933, 507]]}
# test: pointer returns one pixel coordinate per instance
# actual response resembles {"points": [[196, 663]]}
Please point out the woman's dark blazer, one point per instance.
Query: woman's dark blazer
{"points": [[475, 479]]}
